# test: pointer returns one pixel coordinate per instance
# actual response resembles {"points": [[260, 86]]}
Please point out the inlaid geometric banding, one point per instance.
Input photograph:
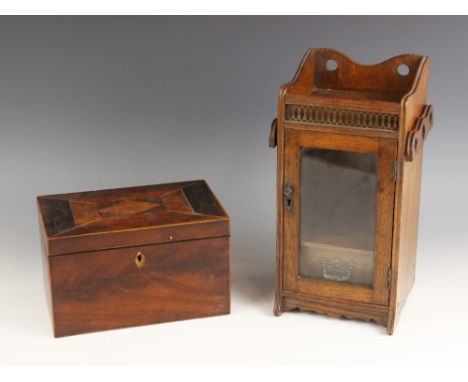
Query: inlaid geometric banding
{"points": [[138, 207]]}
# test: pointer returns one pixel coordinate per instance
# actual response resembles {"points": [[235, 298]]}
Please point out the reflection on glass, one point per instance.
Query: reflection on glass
{"points": [[338, 195]]}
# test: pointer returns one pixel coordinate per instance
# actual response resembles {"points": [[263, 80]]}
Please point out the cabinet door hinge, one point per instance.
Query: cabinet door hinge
{"points": [[389, 279], [395, 170]]}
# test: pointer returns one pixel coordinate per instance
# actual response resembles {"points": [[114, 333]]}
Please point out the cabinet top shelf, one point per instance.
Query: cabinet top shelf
{"points": [[330, 76], [358, 95]]}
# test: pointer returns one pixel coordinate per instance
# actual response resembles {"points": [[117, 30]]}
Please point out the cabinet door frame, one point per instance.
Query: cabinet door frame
{"points": [[386, 149]]}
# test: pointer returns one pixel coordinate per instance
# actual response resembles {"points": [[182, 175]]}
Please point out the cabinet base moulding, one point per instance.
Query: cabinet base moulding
{"points": [[359, 311]]}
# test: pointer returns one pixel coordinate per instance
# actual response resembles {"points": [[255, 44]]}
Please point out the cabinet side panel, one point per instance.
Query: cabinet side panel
{"points": [[406, 212], [411, 186]]}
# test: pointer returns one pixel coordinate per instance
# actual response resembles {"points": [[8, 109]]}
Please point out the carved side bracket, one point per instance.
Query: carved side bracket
{"points": [[272, 139], [416, 137]]}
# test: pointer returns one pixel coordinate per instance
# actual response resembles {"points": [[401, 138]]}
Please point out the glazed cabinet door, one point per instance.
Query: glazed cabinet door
{"points": [[338, 193]]}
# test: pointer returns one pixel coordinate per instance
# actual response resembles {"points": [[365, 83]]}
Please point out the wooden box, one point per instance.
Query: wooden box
{"points": [[350, 139], [135, 256]]}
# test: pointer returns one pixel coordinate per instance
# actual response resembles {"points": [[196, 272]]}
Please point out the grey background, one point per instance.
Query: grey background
{"points": [[102, 102]]}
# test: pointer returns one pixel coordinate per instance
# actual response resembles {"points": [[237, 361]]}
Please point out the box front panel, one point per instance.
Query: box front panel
{"points": [[140, 285]]}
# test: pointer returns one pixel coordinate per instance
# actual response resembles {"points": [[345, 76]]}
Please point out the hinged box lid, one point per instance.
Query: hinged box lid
{"points": [[94, 220]]}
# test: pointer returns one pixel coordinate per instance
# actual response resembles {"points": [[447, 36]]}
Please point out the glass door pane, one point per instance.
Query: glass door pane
{"points": [[338, 215]]}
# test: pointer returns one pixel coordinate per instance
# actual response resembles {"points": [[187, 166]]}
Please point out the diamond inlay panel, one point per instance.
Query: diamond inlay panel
{"points": [[127, 207]]}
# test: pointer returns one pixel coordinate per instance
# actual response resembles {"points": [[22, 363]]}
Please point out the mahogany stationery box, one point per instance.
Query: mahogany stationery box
{"points": [[135, 256], [350, 145]]}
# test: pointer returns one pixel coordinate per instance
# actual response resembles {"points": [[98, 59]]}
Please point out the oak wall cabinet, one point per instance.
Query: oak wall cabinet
{"points": [[349, 140]]}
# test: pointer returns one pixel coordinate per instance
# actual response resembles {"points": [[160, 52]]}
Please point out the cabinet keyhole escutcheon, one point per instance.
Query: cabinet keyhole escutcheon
{"points": [[139, 260], [288, 196]]}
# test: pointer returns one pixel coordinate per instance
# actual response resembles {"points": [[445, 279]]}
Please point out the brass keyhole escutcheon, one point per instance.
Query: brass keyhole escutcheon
{"points": [[139, 260], [288, 196]]}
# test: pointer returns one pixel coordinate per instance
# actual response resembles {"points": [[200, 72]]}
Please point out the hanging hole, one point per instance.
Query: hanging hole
{"points": [[331, 65], [415, 145], [424, 131], [403, 70]]}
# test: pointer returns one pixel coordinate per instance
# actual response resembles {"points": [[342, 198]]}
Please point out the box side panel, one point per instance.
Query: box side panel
{"points": [[46, 278], [45, 262], [140, 285]]}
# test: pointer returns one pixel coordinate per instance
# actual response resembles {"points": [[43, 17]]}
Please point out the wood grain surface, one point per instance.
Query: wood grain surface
{"points": [[106, 289]]}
